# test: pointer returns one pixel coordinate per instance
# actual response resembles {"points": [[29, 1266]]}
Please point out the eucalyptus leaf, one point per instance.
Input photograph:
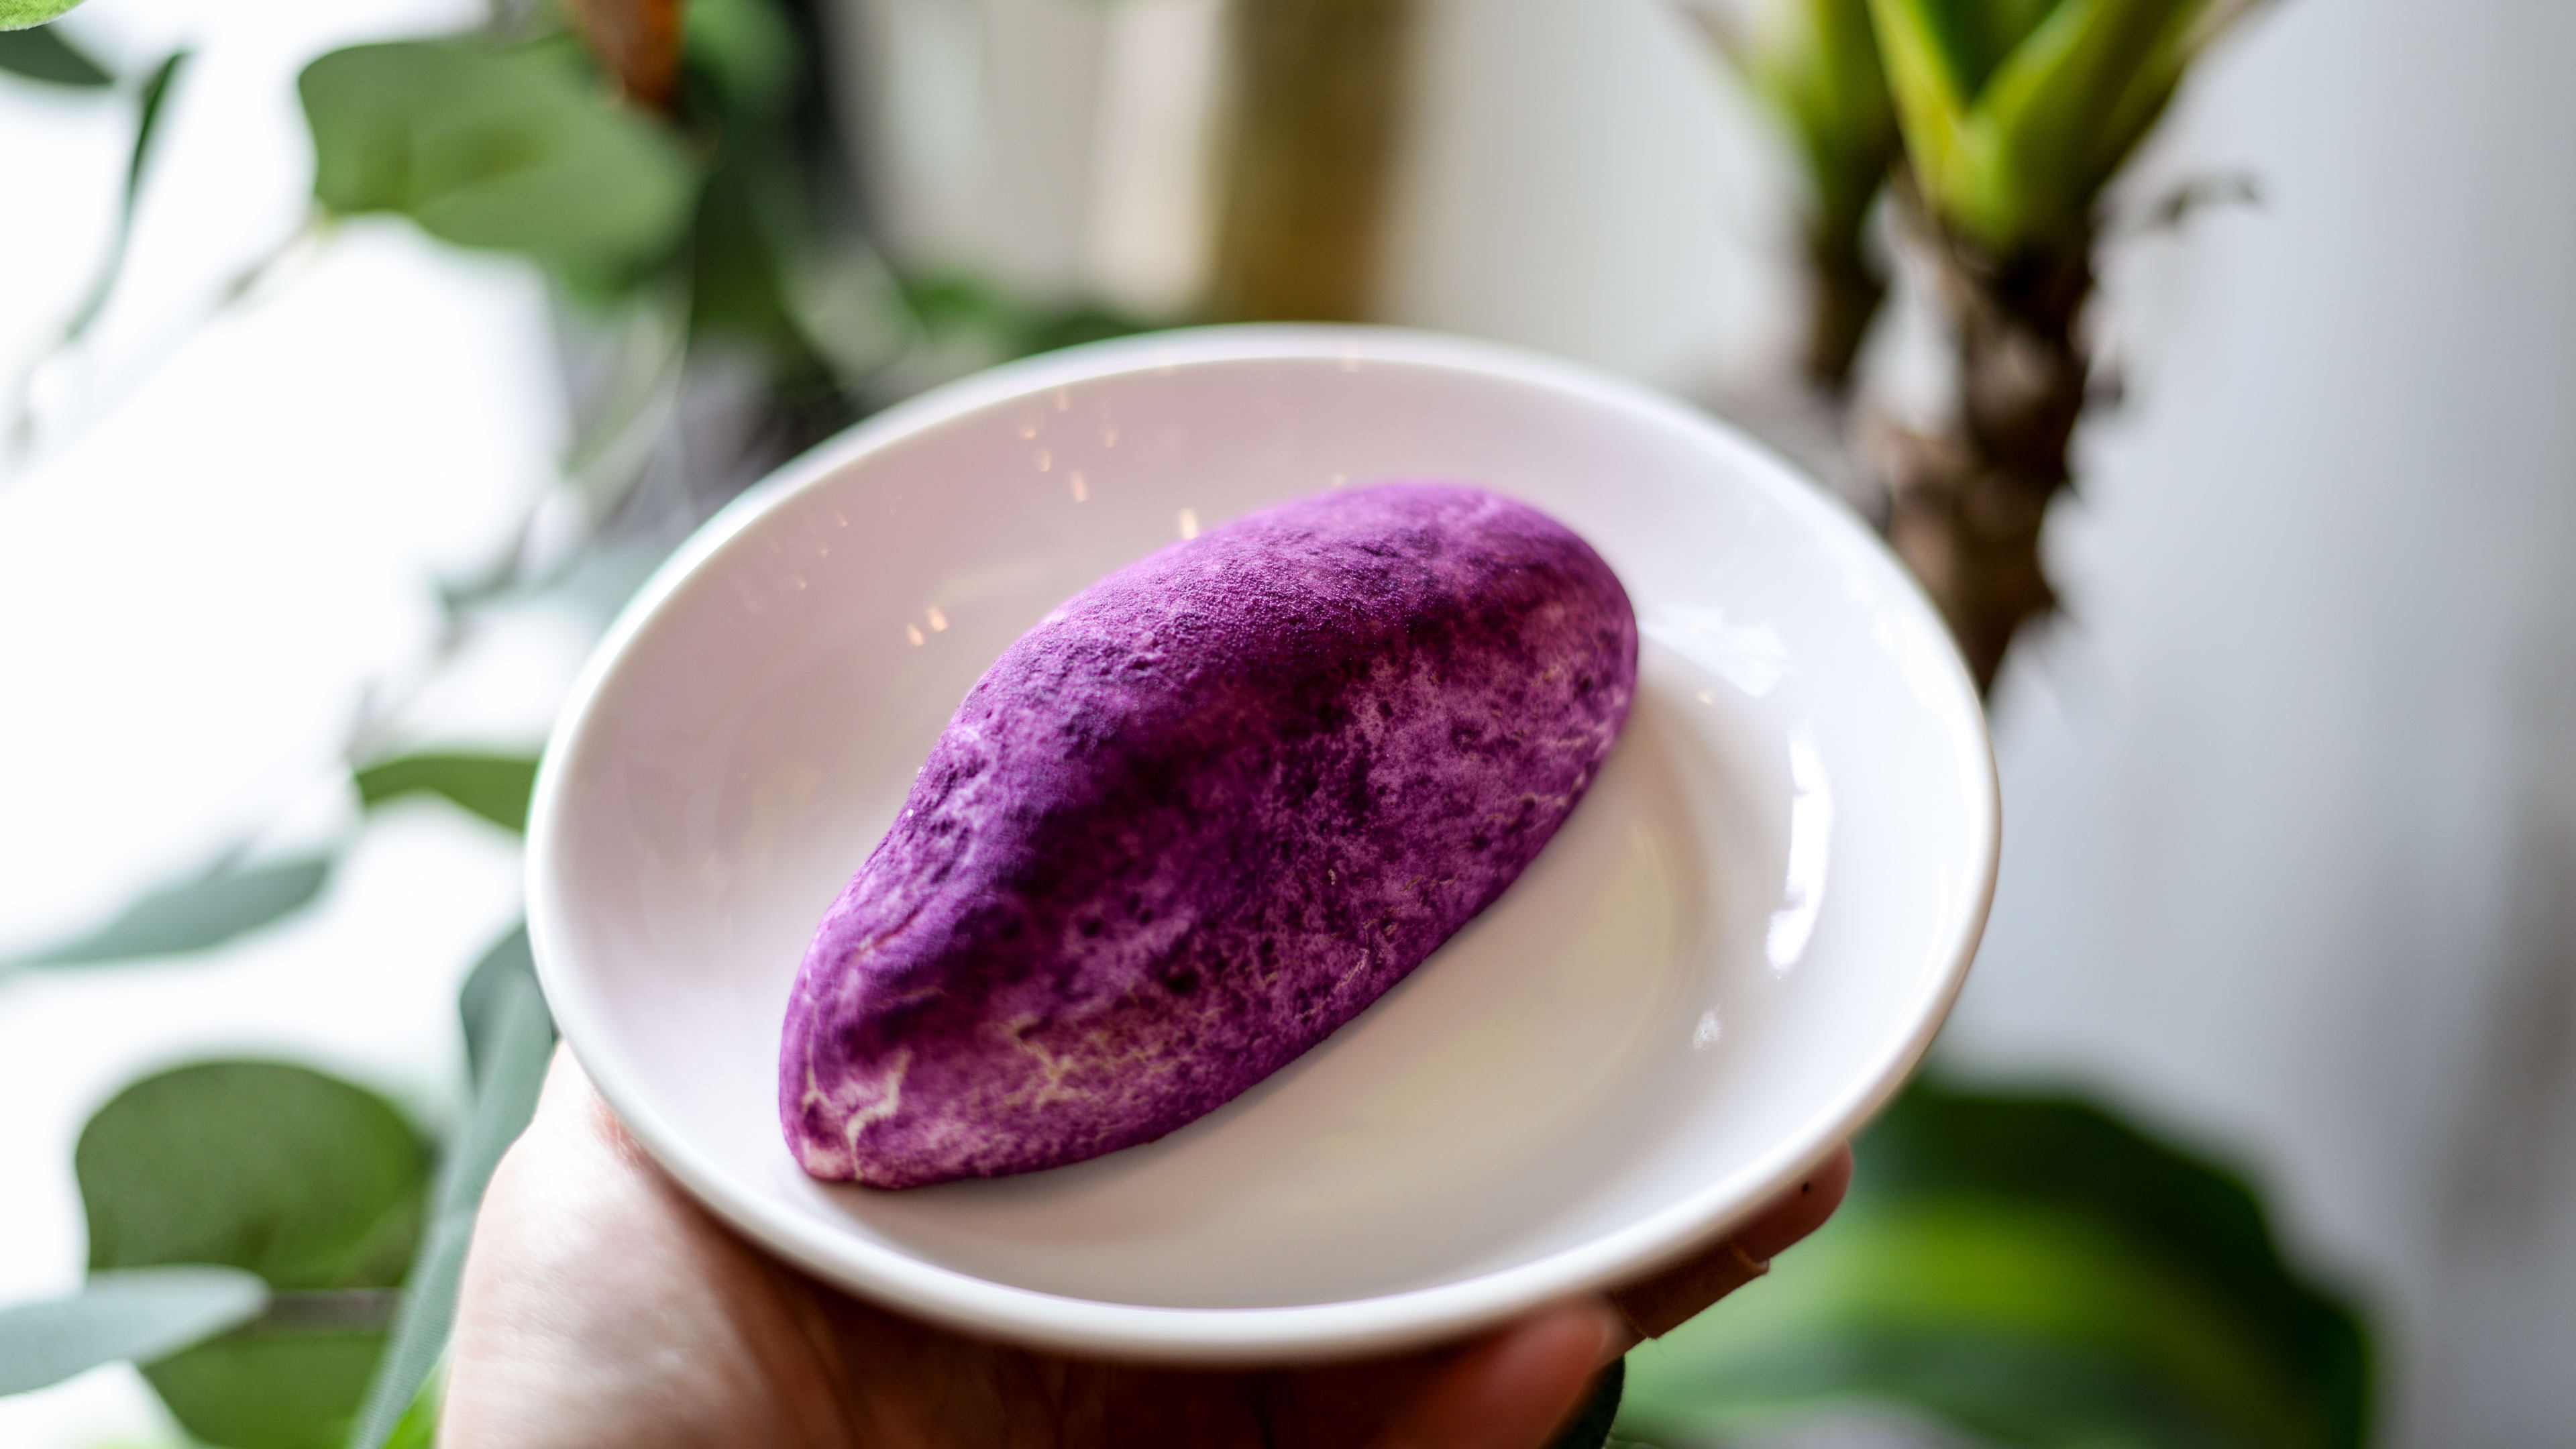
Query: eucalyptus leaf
{"points": [[43, 54], [493, 786], [309, 1181], [509, 1036], [482, 1004], [517, 150], [138, 1314], [312, 1183], [226, 900], [264, 1389], [418, 1427], [147, 128], [19, 14]]}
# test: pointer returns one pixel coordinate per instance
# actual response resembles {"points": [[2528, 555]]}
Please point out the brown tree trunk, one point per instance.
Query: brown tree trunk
{"points": [[1843, 296], [1968, 503], [1306, 139]]}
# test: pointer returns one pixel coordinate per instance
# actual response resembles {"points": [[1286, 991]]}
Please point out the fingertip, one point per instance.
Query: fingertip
{"points": [[1795, 1214], [1515, 1388]]}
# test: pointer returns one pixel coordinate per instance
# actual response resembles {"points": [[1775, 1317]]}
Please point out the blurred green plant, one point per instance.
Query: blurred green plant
{"points": [[272, 1245], [2017, 113], [41, 54], [1815, 66], [2034, 1271], [2017, 116], [2027, 1269], [2003, 125], [511, 148], [20, 14]]}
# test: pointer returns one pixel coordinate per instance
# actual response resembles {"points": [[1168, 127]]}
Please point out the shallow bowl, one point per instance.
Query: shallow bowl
{"points": [[1732, 954]]}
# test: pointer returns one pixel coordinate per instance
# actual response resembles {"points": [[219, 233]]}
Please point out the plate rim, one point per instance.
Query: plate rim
{"points": [[1236, 1336]]}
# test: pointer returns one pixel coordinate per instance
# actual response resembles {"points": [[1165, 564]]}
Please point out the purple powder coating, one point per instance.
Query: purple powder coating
{"points": [[1195, 820]]}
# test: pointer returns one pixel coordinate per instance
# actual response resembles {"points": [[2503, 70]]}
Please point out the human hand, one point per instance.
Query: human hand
{"points": [[603, 1309]]}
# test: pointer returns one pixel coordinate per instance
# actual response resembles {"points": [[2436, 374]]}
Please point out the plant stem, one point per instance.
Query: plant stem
{"points": [[1304, 149], [1968, 502], [1844, 290]]}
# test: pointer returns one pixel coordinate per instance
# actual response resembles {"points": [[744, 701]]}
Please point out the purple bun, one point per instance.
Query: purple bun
{"points": [[1195, 820]]}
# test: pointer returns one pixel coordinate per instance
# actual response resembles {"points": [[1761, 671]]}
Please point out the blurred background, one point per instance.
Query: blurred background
{"points": [[339, 476]]}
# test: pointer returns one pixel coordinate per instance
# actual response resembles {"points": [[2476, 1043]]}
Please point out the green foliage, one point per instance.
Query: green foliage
{"points": [[42, 54], [495, 787], [20, 14], [263, 1387], [228, 899], [418, 1427], [748, 51], [313, 1184], [1816, 63], [139, 1314], [516, 150], [949, 308], [2017, 113], [2035, 1271], [509, 1036], [306, 1180]]}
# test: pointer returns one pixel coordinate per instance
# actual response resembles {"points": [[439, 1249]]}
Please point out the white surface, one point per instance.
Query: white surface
{"points": [[1742, 940]]}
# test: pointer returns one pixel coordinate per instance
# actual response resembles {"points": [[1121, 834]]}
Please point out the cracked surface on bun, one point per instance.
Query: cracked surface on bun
{"points": [[1198, 818]]}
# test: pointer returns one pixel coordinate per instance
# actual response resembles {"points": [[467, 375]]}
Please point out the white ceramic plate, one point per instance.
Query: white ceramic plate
{"points": [[1731, 955]]}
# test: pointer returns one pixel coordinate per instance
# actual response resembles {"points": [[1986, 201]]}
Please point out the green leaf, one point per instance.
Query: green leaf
{"points": [[2033, 1270], [1884, 1289], [227, 900], [483, 1003], [1816, 62], [147, 127], [495, 787], [308, 1181], [139, 1315], [514, 150], [44, 55], [956, 307], [418, 1427], [2201, 1222], [1931, 94], [747, 47], [20, 14], [509, 1036], [2017, 113], [2042, 130], [1975, 36], [269, 1389]]}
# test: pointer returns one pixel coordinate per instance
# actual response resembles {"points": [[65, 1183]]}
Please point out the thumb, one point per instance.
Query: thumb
{"points": [[1514, 1388]]}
